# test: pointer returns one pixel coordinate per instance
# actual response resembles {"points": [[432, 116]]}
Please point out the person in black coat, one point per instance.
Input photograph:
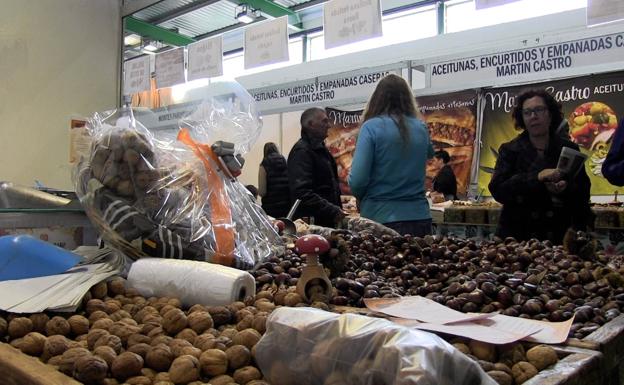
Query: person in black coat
{"points": [[273, 182], [312, 172], [444, 181], [613, 165], [538, 200]]}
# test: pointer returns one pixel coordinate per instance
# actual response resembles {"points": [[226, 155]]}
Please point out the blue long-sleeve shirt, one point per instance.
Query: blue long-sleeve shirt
{"points": [[388, 176], [613, 166]]}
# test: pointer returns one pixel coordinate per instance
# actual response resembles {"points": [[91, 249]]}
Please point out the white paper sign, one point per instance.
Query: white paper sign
{"points": [[346, 22], [205, 58], [137, 75], [480, 4], [170, 68], [604, 11], [266, 43], [514, 65]]}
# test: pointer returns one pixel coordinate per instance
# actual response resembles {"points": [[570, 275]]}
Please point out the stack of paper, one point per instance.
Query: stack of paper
{"points": [[61, 292]]}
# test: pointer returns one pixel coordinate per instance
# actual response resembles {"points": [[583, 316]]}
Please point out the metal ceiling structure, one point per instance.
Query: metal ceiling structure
{"points": [[166, 23]]}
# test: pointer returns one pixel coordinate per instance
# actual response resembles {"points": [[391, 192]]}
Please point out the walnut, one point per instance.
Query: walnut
{"points": [[175, 302], [127, 364], [187, 334], [19, 327], [236, 306], [146, 328], [246, 322], [138, 338], [54, 346], [112, 306], [99, 291], [213, 362], [265, 306], [261, 382], [57, 325], [510, 354], [161, 340], [109, 381], [177, 345], [265, 294], [159, 358], [32, 343], [174, 321], [204, 342], [542, 356], [220, 315], [107, 353], [482, 350], [184, 369], [93, 336], [144, 312], [197, 307], [119, 315], [78, 325], [502, 367], [280, 297], [259, 323], [17, 343], [200, 321], [54, 361], [222, 379], [69, 358], [241, 314], [292, 299], [247, 337], [501, 377], [155, 332], [246, 374], [94, 305], [238, 356], [117, 286], [228, 332], [522, 371], [163, 376], [462, 347], [39, 321], [141, 349], [164, 309], [123, 331], [97, 315], [149, 373], [4, 325], [191, 351], [109, 340], [223, 343], [102, 323], [139, 380], [90, 369]]}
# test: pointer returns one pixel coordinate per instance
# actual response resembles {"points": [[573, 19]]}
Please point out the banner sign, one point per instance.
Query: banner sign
{"points": [[205, 58], [346, 22], [170, 68], [317, 91], [451, 119], [137, 75], [266, 43], [541, 59], [604, 11], [592, 107], [341, 139]]}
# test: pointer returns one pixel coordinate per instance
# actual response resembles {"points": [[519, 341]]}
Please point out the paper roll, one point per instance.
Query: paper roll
{"points": [[193, 282]]}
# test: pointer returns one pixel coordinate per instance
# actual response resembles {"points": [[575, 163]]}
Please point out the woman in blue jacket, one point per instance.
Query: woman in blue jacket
{"points": [[388, 171]]}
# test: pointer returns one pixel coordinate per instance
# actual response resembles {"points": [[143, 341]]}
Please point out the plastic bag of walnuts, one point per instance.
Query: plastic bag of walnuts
{"points": [[163, 183], [310, 346]]}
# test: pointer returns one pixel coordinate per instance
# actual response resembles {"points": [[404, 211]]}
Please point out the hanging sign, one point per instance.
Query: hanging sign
{"points": [[604, 11], [170, 68], [205, 58], [591, 105], [346, 22], [354, 86], [529, 61], [137, 75], [266, 43], [481, 4], [341, 139]]}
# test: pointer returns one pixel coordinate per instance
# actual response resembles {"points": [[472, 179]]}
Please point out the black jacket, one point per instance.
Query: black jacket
{"points": [[528, 208], [276, 201], [313, 178], [445, 182]]}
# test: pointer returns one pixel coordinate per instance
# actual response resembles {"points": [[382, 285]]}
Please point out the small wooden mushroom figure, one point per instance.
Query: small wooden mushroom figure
{"points": [[313, 285]]}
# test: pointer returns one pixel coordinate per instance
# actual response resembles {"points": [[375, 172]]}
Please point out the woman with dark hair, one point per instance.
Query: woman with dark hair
{"points": [[538, 200], [388, 170], [273, 182]]}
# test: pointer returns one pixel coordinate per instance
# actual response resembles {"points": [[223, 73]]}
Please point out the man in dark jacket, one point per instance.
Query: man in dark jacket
{"points": [[444, 181], [312, 172], [613, 166]]}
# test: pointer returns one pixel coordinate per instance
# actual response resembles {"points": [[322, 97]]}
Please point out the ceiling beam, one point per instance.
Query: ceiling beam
{"points": [[175, 13], [156, 33], [130, 7]]}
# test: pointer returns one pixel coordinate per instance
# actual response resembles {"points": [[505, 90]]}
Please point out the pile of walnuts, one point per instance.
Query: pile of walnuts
{"points": [[123, 338]]}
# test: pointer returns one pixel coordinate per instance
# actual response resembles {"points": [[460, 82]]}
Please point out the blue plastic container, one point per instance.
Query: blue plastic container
{"points": [[22, 256]]}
